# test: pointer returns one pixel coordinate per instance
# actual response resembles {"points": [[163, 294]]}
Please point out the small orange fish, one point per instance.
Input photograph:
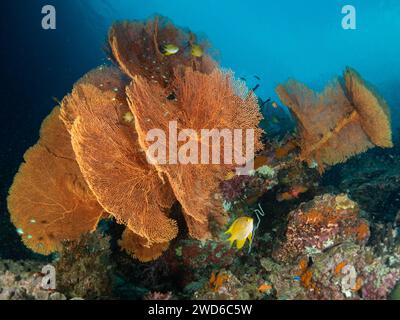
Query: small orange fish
{"points": [[274, 104], [264, 287]]}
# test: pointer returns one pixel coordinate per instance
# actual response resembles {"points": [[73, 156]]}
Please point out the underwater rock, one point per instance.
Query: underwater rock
{"points": [[373, 180], [224, 285], [158, 296], [248, 188], [324, 222], [346, 271], [84, 267], [22, 280], [208, 255]]}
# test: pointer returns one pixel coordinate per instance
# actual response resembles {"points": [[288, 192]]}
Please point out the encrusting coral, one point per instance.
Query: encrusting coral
{"points": [[49, 200], [322, 223], [211, 101], [22, 280], [84, 267], [342, 121]]}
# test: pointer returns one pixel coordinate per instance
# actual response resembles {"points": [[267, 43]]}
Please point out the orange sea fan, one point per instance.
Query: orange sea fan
{"points": [[138, 248], [107, 151], [203, 101], [104, 78], [136, 48], [371, 107], [338, 123], [49, 200]]}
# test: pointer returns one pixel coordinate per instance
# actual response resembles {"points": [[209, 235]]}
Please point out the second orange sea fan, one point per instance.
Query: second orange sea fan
{"points": [[202, 101]]}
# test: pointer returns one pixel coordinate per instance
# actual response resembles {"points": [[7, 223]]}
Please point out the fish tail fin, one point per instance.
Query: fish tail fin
{"points": [[240, 243]]}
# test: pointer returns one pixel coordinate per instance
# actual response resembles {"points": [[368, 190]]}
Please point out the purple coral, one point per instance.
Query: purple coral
{"points": [[234, 188], [379, 284]]}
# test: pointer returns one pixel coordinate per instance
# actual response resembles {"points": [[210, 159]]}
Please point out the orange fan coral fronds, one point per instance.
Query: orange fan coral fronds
{"points": [[339, 122], [371, 107], [49, 200], [136, 48], [138, 248], [107, 151], [212, 101], [104, 78]]}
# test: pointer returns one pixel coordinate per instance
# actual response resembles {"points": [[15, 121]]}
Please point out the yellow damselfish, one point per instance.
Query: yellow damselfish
{"points": [[241, 230], [169, 49], [197, 51]]}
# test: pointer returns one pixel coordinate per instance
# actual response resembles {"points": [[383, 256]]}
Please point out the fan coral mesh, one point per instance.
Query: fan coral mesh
{"points": [[110, 158], [49, 200], [138, 248], [202, 101], [136, 48], [371, 107], [338, 123]]}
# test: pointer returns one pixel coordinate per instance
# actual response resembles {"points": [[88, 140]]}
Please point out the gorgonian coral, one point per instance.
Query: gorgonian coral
{"points": [[137, 246], [109, 156], [49, 200], [340, 122], [136, 48], [202, 101], [95, 161]]}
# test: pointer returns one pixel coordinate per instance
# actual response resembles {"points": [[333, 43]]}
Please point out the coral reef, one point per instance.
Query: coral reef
{"points": [[158, 296], [23, 281], [84, 267], [226, 286], [372, 179], [324, 222], [166, 203], [346, 271]]}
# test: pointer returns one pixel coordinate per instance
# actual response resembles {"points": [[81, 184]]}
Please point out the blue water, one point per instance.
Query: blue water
{"points": [[274, 40], [287, 38]]}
